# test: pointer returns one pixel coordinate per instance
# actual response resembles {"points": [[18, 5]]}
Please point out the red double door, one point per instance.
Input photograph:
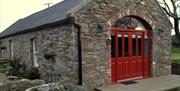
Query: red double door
{"points": [[130, 51]]}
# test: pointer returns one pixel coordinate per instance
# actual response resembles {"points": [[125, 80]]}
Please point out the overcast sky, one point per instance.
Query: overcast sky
{"points": [[12, 10]]}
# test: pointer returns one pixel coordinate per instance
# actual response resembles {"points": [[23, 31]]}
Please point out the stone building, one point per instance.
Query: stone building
{"points": [[93, 42]]}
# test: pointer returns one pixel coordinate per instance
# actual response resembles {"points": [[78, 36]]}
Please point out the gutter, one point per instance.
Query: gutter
{"points": [[79, 52], [80, 57]]}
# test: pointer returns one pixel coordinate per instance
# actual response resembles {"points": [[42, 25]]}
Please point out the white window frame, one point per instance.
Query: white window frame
{"points": [[11, 49], [2, 53], [34, 53]]}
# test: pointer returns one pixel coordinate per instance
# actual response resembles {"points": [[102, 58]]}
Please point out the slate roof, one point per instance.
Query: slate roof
{"points": [[56, 13], [53, 14]]}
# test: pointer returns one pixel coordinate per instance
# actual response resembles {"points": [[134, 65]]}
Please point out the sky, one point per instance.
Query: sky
{"points": [[171, 8], [13, 10]]}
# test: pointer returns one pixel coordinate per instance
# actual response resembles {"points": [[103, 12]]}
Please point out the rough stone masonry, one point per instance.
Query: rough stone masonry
{"points": [[62, 42], [96, 59]]}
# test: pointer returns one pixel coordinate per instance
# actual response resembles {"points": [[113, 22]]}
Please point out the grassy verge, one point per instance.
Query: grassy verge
{"points": [[175, 55], [174, 89]]}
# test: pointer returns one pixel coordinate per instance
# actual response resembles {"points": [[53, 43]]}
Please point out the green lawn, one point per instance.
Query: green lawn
{"points": [[175, 54]]}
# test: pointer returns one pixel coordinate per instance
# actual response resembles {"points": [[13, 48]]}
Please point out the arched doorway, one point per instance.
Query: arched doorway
{"points": [[130, 49]]}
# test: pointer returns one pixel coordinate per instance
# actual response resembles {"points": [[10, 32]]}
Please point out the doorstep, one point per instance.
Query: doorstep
{"points": [[150, 84]]}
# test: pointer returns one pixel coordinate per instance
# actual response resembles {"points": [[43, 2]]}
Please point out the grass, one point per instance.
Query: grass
{"points": [[174, 89], [175, 55]]}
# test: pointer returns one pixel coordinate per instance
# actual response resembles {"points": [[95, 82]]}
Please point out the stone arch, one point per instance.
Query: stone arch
{"points": [[131, 22], [138, 15]]}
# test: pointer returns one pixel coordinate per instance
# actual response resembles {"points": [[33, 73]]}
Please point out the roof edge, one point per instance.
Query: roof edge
{"points": [[78, 7], [57, 23]]}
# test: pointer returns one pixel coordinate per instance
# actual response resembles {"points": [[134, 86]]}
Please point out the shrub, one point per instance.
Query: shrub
{"points": [[32, 74], [14, 67], [3, 65]]}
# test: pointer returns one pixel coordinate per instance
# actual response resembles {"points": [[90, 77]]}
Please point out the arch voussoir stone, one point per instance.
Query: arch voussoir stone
{"points": [[130, 12]]}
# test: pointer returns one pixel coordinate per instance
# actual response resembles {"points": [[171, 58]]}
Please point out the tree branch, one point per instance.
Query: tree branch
{"points": [[168, 13], [161, 2], [167, 7], [177, 18], [174, 6]]}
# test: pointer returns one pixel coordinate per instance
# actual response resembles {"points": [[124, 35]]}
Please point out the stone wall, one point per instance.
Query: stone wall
{"points": [[96, 54], [60, 41]]}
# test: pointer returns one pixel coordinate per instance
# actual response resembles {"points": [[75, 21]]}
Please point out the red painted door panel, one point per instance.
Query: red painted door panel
{"points": [[130, 57], [113, 70]]}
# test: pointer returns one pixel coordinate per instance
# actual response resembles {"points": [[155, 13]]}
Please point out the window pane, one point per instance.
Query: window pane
{"points": [[126, 45], [34, 53], [113, 46], [11, 49], [134, 45], [139, 45], [146, 51], [119, 45]]}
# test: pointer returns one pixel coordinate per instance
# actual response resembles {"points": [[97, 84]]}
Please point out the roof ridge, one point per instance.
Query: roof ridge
{"points": [[44, 9], [81, 5], [49, 15]]}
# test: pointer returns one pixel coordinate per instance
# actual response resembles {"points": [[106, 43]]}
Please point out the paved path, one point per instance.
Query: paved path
{"points": [[151, 84]]}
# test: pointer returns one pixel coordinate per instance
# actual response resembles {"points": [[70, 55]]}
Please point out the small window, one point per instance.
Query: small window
{"points": [[2, 53], [11, 49], [139, 45], [1, 50], [119, 45], [134, 45], [34, 53], [113, 46], [126, 45], [146, 45]]}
